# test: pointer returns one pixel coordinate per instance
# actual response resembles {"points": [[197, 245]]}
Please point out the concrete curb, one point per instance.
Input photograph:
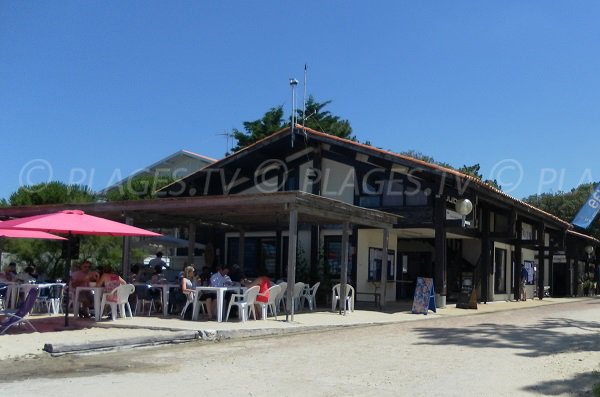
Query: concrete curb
{"points": [[59, 349]]}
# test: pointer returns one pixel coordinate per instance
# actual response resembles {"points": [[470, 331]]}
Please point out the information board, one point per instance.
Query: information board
{"points": [[424, 299]]}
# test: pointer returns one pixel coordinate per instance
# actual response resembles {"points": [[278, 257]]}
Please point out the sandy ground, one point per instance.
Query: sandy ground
{"points": [[23, 342], [549, 350]]}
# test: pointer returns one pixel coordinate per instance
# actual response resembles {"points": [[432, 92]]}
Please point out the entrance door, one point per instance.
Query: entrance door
{"points": [[409, 266]]}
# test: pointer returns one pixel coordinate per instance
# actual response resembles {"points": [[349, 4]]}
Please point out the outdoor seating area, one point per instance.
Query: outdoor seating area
{"points": [[234, 303]]}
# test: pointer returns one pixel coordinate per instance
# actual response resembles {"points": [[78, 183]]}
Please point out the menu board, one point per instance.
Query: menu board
{"points": [[424, 299]]}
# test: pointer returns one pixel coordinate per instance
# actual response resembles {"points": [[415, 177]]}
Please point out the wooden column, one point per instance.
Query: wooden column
{"points": [[570, 277], [191, 243], [541, 261], [291, 271], [484, 265], [344, 268], [386, 238], [278, 254], [518, 260], [126, 261], [241, 250], [440, 271]]}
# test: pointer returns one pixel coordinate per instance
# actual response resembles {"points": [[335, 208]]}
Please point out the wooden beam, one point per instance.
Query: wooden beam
{"points": [[344, 267], [291, 271], [386, 238], [191, 243]]}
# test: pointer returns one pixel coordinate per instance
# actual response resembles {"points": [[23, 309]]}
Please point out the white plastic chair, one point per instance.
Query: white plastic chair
{"points": [[270, 303], [50, 297], [145, 297], [118, 297], [281, 297], [190, 301], [310, 295], [349, 299], [298, 289], [190, 296], [245, 303]]}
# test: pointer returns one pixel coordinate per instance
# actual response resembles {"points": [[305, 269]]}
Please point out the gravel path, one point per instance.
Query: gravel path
{"points": [[547, 351]]}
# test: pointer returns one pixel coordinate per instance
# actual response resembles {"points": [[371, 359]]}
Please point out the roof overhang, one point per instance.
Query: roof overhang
{"points": [[247, 212]]}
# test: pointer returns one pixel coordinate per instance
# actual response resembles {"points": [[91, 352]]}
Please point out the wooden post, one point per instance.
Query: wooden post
{"points": [[386, 238], [242, 249], [278, 261], [191, 243], [485, 253], [344, 268], [126, 260], [541, 261], [291, 271], [439, 219], [518, 260]]}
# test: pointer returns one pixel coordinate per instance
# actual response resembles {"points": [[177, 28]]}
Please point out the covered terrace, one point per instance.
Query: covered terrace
{"points": [[242, 213]]}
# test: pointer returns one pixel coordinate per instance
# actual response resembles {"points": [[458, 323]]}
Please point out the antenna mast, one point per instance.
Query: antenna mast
{"points": [[293, 84], [304, 104]]}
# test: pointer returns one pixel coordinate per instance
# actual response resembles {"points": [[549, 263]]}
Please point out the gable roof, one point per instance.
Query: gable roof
{"points": [[165, 163], [308, 133]]}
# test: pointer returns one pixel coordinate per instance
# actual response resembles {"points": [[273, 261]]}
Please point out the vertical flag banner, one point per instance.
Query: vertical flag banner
{"points": [[589, 210]]}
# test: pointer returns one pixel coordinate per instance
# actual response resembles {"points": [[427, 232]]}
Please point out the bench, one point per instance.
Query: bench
{"points": [[376, 296]]}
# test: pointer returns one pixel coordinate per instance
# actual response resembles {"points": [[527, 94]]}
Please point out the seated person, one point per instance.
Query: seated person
{"points": [[10, 272], [236, 274], [204, 277], [188, 286], [109, 280], [264, 283], [82, 278], [219, 279]]}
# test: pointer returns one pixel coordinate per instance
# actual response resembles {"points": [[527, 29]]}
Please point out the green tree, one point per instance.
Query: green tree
{"points": [[51, 193], [473, 170], [46, 255], [565, 205], [423, 157], [138, 188], [322, 120], [273, 120]]}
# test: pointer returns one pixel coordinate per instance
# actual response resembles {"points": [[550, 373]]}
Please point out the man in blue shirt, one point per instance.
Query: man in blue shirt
{"points": [[524, 278]]}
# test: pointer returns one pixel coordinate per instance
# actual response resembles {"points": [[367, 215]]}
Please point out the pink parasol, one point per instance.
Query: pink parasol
{"points": [[75, 222], [14, 233]]}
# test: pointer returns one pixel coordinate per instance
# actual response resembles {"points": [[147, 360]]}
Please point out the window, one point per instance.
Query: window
{"points": [[416, 196], [258, 251], [500, 270], [375, 261], [332, 250]]}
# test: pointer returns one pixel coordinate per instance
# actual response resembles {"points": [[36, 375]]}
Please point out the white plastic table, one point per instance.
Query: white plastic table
{"points": [[97, 291], [165, 293], [220, 298]]}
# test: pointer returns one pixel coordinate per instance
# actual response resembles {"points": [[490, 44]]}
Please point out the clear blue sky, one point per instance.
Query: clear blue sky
{"points": [[94, 90]]}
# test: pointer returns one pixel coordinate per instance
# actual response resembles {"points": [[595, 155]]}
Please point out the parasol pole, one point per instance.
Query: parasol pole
{"points": [[67, 279]]}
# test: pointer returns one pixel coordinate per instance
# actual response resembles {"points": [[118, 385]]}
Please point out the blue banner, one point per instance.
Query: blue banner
{"points": [[588, 212]]}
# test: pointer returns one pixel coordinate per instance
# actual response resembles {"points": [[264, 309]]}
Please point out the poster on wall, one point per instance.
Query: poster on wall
{"points": [[375, 261]]}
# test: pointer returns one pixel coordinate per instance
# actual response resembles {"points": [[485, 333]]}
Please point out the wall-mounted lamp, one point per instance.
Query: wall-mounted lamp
{"points": [[464, 206], [589, 249]]}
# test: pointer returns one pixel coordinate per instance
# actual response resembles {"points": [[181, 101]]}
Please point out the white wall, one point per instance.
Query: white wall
{"points": [[267, 186], [338, 181], [372, 238]]}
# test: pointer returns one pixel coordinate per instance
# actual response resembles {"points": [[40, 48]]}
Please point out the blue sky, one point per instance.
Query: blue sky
{"points": [[94, 90]]}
